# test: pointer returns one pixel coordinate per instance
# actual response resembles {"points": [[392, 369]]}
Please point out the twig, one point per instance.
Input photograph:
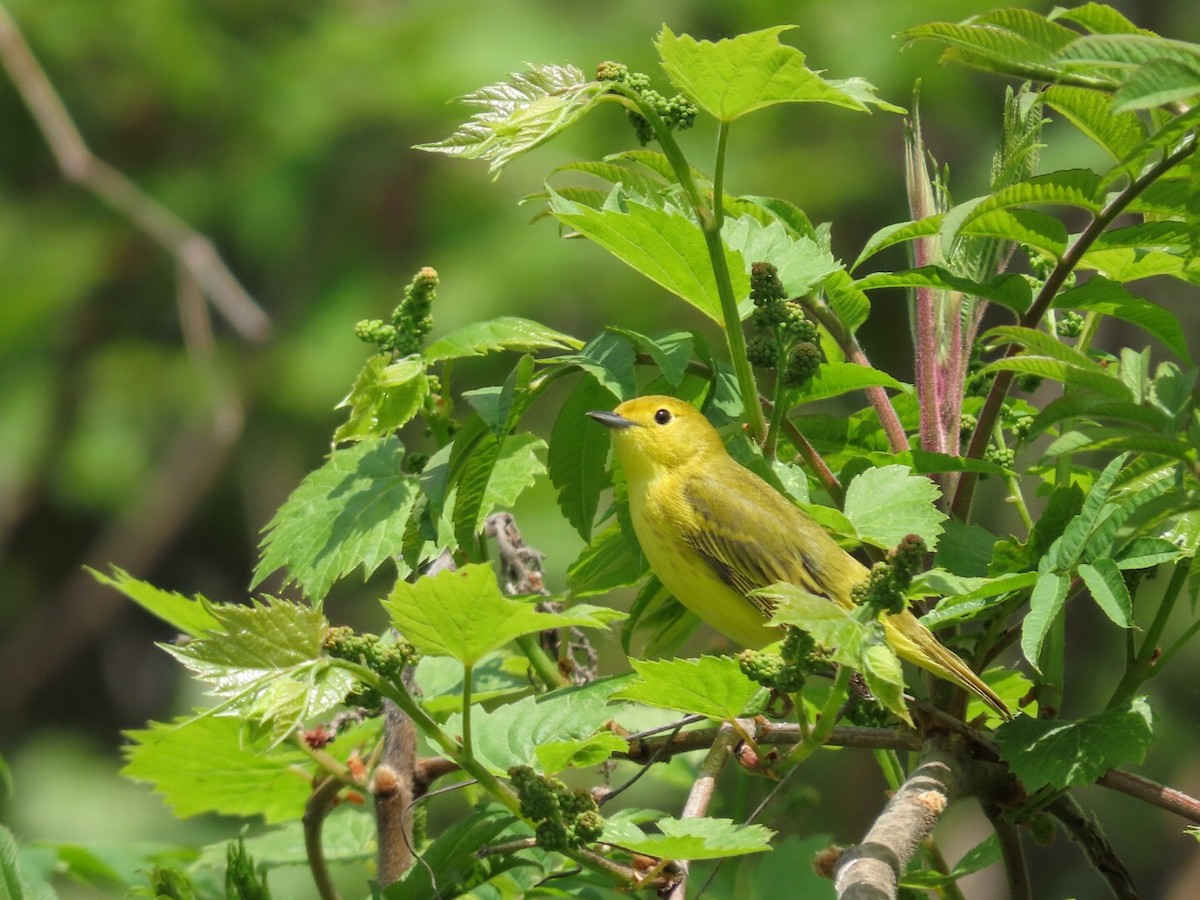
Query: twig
{"points": [[1152, 792], [1086, 832], [1013, 856], [194, 252], [873, 868], [320, 801], [771, 734], [702, 790]]}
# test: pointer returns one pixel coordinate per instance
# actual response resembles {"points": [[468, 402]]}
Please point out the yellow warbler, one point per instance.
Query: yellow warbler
{"points": [[713, 531]]}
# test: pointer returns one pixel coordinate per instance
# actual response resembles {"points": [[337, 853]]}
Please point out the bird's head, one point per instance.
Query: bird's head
{"points": [[654, 434]]}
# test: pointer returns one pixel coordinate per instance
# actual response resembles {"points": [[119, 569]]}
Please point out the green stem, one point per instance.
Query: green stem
{"points": [[468, 671], [889, 765], [1091, 323], [1145, 664], [541, 661], [1015, 497], [718, 200], [829, 718], [778, 410]]}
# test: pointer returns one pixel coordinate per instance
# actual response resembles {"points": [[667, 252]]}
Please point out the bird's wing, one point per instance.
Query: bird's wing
{"points": [[752, 537]]}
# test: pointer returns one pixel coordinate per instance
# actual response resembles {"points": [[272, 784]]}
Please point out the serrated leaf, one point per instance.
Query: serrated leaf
{"points": [[1144, 552], [712, 686], [887, 503], [671, 352], [502, 333], [518, 114], [495, 479], [1045, 604], [837, 378], [385, 397], [1016, 42], [880, 667], [662, 244], [832, 626], [1092, 378], [847, 300], [984, 854], [511, 734], [1011, 686], [699, 838], [498, 676], [1011, 291], [738, 75], [898, 233], [190, 616], [1060, 754], [1119, 134], [610, 359], [265, 662], [463, 614], [1101, 295], [961, 595], [1075, 536], [348, 513], [801, 262], [452, 867], [1107, 586], [578, 454], [210, 765], [554, 756]]}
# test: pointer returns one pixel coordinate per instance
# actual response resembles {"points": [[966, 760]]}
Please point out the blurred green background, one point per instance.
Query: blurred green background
{"points": [[282, 130]]}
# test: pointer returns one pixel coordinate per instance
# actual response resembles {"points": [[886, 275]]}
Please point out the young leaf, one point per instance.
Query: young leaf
{"points": [[518, 114], [801, 262], [711, 686], [210, 764], [886, 503], [880, 667], [386, 396], [1108, 589], [349, 512], [1107, 297], [837, 378], [495, 481], [831, 625], [1119, 134], [463, 614], [1045, 604], [503, 333], [847, 300], [662, 244], [671, 352], [578, 453], [738, 75], [610, 358], [1011, 291], [554, 756], [1070, 546], [1061, 754], [514, 733], [190, 616], [699, 838]]}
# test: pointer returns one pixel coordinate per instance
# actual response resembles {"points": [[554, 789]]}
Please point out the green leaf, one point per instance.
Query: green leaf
{"points": [[579, 453], [463, 614], [1023, 226], [514, 733], [880, 667], [831, 625], [211, 765], [518, 114], [610, 358], [671, 353], [662, 244], [1119, 134], [1011, 291], [898, 233], [503, 333], [554, 756], [847, 300], [1144, 552], [698, 838], [837, 378], [738, 75], [348, 834], [349, 512], [801, 262], [265, 661], [385, 397], [450, 865], [1011, 686], [711, 686], [498, 676], [1102, 295], [1068, 549], [961, 595], [495, 480], [1107, 586], [613, 559], [984, 854], [1061, 754], [1045, 604], [190, 616], [887, 503]]}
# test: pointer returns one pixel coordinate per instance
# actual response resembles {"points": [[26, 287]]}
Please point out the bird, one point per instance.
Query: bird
{"points": [[713, 532]]}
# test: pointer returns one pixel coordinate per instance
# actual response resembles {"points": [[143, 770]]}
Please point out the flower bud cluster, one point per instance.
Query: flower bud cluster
{"points": [[565, 819], [888, 581], [787, 339], [404, 334], [677, 112]]}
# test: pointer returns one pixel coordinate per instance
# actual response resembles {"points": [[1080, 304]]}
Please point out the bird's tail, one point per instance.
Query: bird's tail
{"points": [[917, 644]]}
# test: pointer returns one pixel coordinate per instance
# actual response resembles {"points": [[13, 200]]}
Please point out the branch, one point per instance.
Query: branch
{"points": [[193, 251], [1085, 831], [702, 792], [320, 801], [645, 751], [394, 785], [1152, 792], [873, 868]]}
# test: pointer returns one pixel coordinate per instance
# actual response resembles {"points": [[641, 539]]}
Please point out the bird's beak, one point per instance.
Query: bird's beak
{"points": [[611, 419]]}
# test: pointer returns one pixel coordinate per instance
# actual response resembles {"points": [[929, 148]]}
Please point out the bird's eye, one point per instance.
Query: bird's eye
{"points": [[663, 416]]}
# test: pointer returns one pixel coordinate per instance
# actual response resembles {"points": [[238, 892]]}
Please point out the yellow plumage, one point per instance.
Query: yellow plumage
{"points": [[713, 531]]}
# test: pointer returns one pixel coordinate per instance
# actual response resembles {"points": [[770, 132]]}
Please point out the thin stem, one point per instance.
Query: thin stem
{"points": [[468, 671], [1160, 795], [960, 508], [315, 810], [778, 414], [824, 474], [889, 765], [937, 860], [1015, 497], [1013, 855], [718, 201], [829, 718], [853, 351], [541, 662], [1145, 664]]}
